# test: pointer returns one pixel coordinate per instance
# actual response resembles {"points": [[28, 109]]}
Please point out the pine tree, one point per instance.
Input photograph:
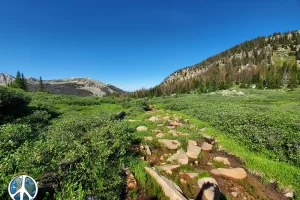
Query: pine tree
{"points": [[293, 77], [41, 85], [23, 83], [17, 83], [298, 55]]}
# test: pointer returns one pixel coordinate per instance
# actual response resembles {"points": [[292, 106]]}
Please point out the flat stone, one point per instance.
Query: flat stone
{"points": [[192, 142], [168, 168], [170, 189], [156, 131], [160, 135], [154, 119], [184, 134], [191, 175], [148, 138], [174, 123], [206, 147], [179, 157], [170, 144], [193, 151], [209, 188], [141, 128], [133, 120], [223, 160], [232, 173]]}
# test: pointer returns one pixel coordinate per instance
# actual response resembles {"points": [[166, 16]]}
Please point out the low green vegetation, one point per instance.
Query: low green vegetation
{"points": [[75, 144], [261, 127]]}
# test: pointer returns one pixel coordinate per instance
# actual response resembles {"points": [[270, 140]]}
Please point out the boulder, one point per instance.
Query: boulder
{"points": [[193, 151], [232, 173], [120, 115], [170, 144], [141, 128], [170, 189], [206, 147], [209, 189], [179, 157], [223, 160], [154, 119]]}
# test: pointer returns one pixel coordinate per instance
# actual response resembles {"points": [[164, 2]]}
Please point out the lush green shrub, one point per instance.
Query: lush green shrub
{"points": [[78, 151], [13, 103], [12, 136]]}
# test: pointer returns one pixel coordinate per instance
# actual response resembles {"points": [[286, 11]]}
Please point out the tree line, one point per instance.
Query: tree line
{"points": [[249, 64], [20, 82]]}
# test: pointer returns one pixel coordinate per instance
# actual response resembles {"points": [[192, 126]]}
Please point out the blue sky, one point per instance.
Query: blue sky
{"points": [[133, 43]]}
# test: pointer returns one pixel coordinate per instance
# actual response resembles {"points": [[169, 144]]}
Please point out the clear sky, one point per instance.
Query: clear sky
{"points": [[129, 43]]}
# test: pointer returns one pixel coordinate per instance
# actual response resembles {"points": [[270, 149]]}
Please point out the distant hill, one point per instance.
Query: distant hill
{"points": [[72, 86], [264, 62]]}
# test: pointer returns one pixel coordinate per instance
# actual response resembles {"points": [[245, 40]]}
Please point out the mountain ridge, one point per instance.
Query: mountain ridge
{"points": [[73, 86]]}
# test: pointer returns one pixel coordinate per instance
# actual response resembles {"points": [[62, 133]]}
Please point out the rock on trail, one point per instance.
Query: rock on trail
{"points": [[169, 188], [179, 157], [170, 144], [232, 173]]}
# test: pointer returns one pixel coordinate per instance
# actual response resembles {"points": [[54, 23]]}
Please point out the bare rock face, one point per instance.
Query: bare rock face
{"points": [[225, 161], [141, 128], [179, 157], [169, 188], [232, 173], [6, 79], [206, 147], [209, 189], [170, 144]]}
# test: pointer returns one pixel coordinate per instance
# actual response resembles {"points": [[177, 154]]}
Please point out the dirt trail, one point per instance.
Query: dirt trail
{"points": [[248, 188]]}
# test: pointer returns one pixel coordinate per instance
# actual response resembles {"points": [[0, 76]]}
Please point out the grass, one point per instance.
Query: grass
{"points": [[218, 164], [276, 104], [148, 183]]}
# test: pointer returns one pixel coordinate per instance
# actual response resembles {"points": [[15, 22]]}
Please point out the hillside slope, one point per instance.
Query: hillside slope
{"points": [[264, 62], [245, 57], [72, 86]]}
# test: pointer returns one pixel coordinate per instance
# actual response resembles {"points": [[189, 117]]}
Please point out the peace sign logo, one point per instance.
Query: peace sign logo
{"points": [[22, 187]]}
